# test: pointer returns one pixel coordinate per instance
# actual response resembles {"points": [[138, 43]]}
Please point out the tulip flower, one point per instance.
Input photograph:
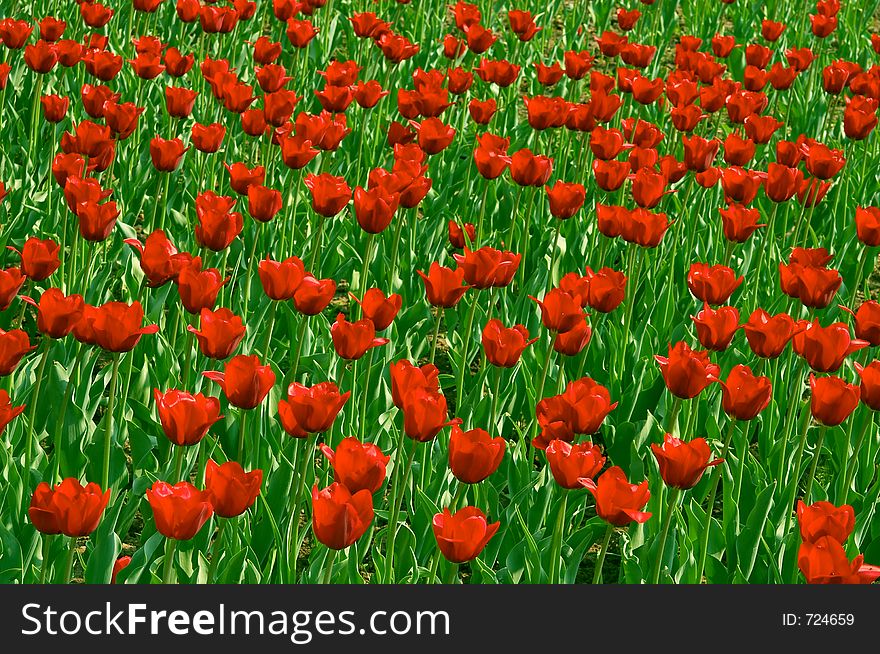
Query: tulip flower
{"points": [[199, 288], [159, 258], [312, 295], [569, 463], [229, 489], [57, 314], [180, 510], [14, 345], [716, 327], [686, 372], [462, 535], [617, 501], [117, 326], [185, 417], [329, 194], [832, 400], [311, 410], [281, 279], [424, 414], [8, 412], [560, 311], [166, 154], [406, 377], [504, 346], [219, 333], [340, 517], [869, 389], [443, 286], [743, 394], [351, 340], [768, 335], [712, 284], [683, 463], [244, 381], [68, 508], [824, 519], [826, 562], [378, 308], [474, 455], [39, 258], [488, 267], [357, 466]]}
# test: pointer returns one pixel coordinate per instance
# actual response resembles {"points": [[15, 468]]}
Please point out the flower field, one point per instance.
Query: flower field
{"points": [[341, 291]]}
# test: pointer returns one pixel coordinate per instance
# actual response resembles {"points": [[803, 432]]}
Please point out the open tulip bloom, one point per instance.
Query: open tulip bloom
{"points": [[310, 291]]}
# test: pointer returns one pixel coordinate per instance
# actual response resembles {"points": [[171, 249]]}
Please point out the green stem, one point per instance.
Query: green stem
{"points": [[242, 433], [466, 338], [822, 430], [438, 318], [558, 533], [68, 566], [108, 427], [853, 461], [496, 391], [553, 255], [44, 566], [365, 394], [216, 551], [328, 566], [707, 523], [178, 463], [301, 488], [32, 431], [170, 548], [313, 259], [398, 487], [603, 550], [664, 534], [451, 574], [797, 470]]}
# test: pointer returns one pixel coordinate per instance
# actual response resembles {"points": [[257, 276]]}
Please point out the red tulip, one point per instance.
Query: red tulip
{"points": [[716, 327], [69, 508], [424, 413], [198, 288], [244, 381], [868, 225], [312, 295], [743, 394], [687, 372], [474, 454], [825, 520], [117, 326], [230, 489], [712, 284], [219, 334], [14, 345], [166, 154], [768, 335], [606, 289], [869, 389], [329, 194], [565, 199], [340, 517], [617, 501], [683, 463], [280, 279], [826, 562], [504, 346], [832, 399], [488, 267], [462, 535], [56, 313], [180, 510], [185, 417], [357, 466], [825, 348], [406, 377], [39, 258], [311, 410], [739, 222], [569, 463], [8, 412]]}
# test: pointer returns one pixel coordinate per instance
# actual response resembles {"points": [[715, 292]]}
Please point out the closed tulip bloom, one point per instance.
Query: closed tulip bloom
{"points": [[461, 235], [687, 372], [573, 342], [425, 413], [374, 208], [481, 112], [488, 267], [39, 258], [869, 389], [219, 332], [504, 346], [569, 463], [378, 308], [159, 258], [406, 377], [822, 162], [565, 199], [179, 101], [118, 326], [824, 519], [166, 154], [69, 508], [617, 501], [339, 517], [683, 463], [867, 321], [716, 327], [832, 400], [54, 107], [528, 169], [313, 408], [185, 417], [230, 489], [712, 284], [643, 227], [474, 454], [313, 295], [739, 222], [244, 380], [443, 286], [199, 288], [357, 466], [329, 194], [589, 403], [207, 138], [121, 564], [699, 153], [280, 279], [768, 335], [462, 535], [825, 348], [14, 344], [606, 289], [57, 314], [351, 340], [96, 221], [560, 311], [263, 202], [180, 510], [743, 394], [868, 225], [433, 135]]}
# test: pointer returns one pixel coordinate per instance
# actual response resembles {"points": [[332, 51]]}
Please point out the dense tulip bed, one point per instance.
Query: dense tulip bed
{"points": [[413, 292]]}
